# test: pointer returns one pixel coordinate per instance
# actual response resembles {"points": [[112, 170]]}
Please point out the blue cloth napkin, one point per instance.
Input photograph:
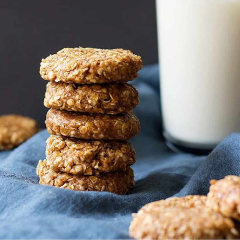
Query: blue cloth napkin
{"points": [[29, 210]]}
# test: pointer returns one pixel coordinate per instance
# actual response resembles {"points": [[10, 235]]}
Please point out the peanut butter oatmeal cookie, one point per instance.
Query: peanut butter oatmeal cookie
{"points": [[122, 126], [15, 129], [87, 157], [91, 65], [224, 196], [181, 218], [94, 98], [118, 182], [187, 202]]}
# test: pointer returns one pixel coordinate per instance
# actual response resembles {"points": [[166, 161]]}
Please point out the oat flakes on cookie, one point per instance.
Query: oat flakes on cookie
{"points": [[15, 129], [88, 157], [181, 218], [91, 65], [92, 98], [122, 126], [224, 196], [189, 201], [118, 182]]}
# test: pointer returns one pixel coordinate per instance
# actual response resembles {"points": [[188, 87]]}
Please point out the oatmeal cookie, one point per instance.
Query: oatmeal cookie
{"points": [[118, 182], [15, 129], [94, 98], [122, 126], [91, 65], [181, 218], [189, 201], [224, 196], [88, 157]]}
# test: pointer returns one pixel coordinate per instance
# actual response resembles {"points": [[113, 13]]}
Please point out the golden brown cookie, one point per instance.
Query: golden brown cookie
{"points": [[189, 201], [91, 65], [94, 98], [15, 129], [88, 157], [181, 218], [224, 196], [122, 126], [118, 182]]}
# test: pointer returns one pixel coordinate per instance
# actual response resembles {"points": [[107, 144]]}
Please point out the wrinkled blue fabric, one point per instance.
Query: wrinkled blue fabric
{"points": [[29, 210]]}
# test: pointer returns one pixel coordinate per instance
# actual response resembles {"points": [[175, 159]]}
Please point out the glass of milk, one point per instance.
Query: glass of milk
{"points": [[199, 53]]}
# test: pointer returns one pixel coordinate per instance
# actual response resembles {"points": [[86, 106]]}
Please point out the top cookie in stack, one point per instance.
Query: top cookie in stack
{"points": [[90, 100], [90, 65]]}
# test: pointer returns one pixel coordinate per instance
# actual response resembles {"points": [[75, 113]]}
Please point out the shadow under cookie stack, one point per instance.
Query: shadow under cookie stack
{"points": [[90, 119]]}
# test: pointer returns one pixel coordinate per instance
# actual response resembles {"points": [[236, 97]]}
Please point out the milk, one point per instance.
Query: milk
{"points": [[199, 49]]}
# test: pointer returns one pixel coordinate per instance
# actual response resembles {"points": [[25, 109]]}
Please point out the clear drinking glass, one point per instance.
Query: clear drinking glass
{"points": [[199, 53]]}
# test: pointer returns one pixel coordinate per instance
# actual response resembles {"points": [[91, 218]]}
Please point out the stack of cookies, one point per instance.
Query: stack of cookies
{"points": [[90, 119]]}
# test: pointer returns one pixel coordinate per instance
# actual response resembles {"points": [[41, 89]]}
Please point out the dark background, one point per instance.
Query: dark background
{"points": [[32, 30]]}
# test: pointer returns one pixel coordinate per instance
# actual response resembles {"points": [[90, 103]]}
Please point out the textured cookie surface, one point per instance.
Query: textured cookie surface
{"points": [[87, 157], [186, 202], [94, 98], [90, 65], [92, 126], [181, 218], [118, 182], [224, 196], [15, 129]]}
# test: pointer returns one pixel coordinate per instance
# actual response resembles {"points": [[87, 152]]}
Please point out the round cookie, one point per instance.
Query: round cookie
{"points": [[15, 129], [190, 201], [118, 182], [224, 196], [91, 65], [122, 126], [94, 98], [87, 157], [181, 218]]}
